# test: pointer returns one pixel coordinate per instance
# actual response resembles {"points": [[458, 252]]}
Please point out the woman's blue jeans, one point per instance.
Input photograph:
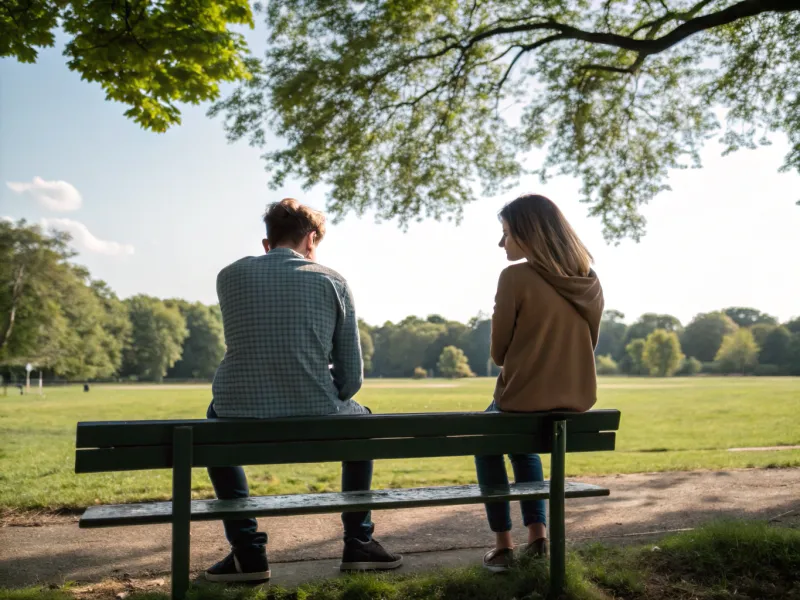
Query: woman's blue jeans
{"points": [[492, 472]]}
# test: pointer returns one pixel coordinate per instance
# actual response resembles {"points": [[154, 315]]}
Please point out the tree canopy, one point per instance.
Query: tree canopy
{"points": [[148, 55], [401, 106]]}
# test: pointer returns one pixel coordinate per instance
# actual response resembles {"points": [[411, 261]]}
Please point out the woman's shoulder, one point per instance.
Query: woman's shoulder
{"points": [[520, 272]]}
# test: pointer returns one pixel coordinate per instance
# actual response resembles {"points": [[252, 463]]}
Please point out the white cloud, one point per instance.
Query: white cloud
{"points": [[9, 219], [85, 239], [58, 196]]}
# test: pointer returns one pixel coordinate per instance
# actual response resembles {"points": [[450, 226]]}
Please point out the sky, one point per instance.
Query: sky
{"points": [[161, 214]]}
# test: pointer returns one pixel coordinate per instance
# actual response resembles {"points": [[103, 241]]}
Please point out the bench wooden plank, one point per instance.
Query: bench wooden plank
{"points": [[218, 455], [303, 504], [107, 434]]}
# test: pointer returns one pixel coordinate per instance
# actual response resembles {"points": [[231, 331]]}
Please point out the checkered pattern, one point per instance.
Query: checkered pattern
{"points": [[292, 339]]}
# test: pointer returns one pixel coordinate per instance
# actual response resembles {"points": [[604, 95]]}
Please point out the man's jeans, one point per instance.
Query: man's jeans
{"points": [[492, 472], [243, 535]]}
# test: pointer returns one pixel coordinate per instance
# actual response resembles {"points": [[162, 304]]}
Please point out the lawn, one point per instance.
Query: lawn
{"points": [[667, 424]]}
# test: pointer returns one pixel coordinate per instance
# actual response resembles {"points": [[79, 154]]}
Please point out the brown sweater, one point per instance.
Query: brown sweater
{"points": [[544, 331]]}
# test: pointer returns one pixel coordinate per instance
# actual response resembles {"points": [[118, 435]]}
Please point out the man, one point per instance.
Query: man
{"points": [[292, 350]]}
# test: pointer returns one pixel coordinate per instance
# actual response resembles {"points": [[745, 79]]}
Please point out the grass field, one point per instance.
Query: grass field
{"points": [[675, 424]]}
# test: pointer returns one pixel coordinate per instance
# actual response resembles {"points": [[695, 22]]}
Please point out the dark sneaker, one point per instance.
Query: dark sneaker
{"points": [[498, 560], [367, 556], [537, 549], [246, 568]]}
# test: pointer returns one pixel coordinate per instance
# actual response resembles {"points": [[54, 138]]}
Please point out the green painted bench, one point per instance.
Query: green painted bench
{"points": [[180, 445]]}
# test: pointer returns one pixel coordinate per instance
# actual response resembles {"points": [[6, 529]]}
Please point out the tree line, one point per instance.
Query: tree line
{"points": [[56, 317]]}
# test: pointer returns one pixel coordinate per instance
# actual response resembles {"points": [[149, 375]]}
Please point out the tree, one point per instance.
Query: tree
{"points": [[476, 345], [635, 359], [399, 107], [794, 354], [157, 337], [453, 363], [662, 353], [33, 269], [793, 325], [738, 353], [606, 365], [453, 335], [204, 345], [690, 366], [775, 348], [648, 323], [402, 347], [612, 335], [761, 331], [367, 346], [703, 335], [147, 55], [746, 317]]}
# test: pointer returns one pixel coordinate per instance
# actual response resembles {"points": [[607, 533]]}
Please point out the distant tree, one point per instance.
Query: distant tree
{"points": [[606, 365], [703, 336], [438, 319], [454, 334], [794, 354], [690, 366], [157, 338], [760, 332], [204, 345], [367, 346], [419, 373], [476, 343], [453, 363], [635, 363], [648, 323], [33, 269], [117, 324], [738, 353], [775, 350], [612, 335], [793, 325], [401, 347], [662, 353], [745, 316]]}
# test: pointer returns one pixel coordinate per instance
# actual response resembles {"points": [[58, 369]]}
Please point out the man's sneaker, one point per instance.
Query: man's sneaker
{"points": [[498, 560], [367, 556], [537, 549], [246, 568]]}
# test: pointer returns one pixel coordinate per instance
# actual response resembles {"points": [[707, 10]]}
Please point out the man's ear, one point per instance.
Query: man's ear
{"points": [[265, 243]]}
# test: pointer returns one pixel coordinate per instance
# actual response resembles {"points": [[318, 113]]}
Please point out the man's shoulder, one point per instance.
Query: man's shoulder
{"points": [[325, 272], [237, 266]]}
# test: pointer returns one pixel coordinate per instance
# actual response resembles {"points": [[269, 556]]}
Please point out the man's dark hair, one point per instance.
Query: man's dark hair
{"points": [[288, 221]]}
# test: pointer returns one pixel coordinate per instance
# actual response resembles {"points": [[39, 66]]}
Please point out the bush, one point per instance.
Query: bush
{"points": [[453, 363], [767, 370], [607, 365], [420, 373], [690, 366], [709, 368]]}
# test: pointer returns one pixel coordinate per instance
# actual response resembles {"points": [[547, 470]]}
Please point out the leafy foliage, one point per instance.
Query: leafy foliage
{"points": [[403, 106], [148, 55], [607, 365], [453, 363], [738, 353], [703, 335], [662, 353], [158, 332]]}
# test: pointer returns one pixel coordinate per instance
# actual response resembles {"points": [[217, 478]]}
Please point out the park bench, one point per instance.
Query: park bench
{"points": [[180, 445]]}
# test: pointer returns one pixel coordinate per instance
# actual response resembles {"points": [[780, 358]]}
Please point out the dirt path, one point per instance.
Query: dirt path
{"points": [[639, 505]]}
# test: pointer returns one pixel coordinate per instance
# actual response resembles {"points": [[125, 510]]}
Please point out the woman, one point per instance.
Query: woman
{"points": [[544, 330]]}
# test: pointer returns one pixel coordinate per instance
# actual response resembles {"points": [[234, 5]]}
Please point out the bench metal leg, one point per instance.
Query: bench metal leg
{"points": [[181, 509], [558, 551]]}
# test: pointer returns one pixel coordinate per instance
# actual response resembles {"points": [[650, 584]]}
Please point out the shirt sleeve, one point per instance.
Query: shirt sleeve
{"points": [[348, 366], [503, 318]]}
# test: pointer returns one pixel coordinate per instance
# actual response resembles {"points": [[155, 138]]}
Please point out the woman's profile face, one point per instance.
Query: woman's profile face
{"points": [[513, 250]]}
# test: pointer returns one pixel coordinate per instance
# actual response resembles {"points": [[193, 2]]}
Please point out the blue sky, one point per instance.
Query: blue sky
{"points": [[162, 214]]}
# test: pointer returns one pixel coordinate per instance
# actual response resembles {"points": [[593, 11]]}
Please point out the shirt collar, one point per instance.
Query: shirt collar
{"points": [[288, 252]]}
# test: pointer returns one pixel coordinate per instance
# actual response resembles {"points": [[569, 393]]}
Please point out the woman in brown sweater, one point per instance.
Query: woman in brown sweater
{"points": [[544, 330]]}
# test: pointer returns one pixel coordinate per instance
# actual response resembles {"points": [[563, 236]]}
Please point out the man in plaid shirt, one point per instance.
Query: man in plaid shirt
{"points": [[292, 350]]}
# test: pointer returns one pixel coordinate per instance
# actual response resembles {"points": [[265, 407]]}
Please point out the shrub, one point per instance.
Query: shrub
{"points": [[607, 365], [690, 366], [420, 373], [767, 370]]}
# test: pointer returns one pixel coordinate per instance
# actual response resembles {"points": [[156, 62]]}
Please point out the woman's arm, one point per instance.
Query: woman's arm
{"points": [[503, 318]]}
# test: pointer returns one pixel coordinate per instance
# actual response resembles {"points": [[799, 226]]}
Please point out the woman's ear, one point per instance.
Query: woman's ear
{"points": [[265, 243]]}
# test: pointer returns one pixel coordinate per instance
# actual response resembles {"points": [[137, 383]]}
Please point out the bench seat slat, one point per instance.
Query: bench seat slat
{"points": [[302, 504], [107, 434], [219, 455]]}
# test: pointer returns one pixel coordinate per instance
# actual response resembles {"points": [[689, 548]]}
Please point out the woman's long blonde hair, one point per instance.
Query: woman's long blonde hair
{"points": [[543, 232]]}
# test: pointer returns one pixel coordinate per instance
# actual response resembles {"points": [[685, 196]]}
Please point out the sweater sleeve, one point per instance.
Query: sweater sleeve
{"points": [[503, 318]]}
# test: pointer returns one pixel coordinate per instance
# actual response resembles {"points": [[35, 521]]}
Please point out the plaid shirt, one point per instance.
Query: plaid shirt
{"points": [[292, 339]]}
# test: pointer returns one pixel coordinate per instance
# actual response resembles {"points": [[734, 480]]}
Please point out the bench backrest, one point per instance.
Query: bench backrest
{"points": [[134, 445]]}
